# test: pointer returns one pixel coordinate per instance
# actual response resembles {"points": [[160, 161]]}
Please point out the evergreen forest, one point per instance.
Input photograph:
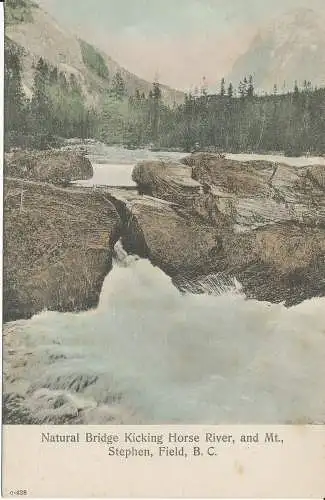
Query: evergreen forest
{"points": [[231, 119]]}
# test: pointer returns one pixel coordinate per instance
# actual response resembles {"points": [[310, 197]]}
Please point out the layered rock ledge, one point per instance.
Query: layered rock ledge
{"points": [[58, 246], [259, 222]]}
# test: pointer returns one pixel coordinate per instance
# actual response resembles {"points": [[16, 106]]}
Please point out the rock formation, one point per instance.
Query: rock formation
{"points": [[58, 247], [266, 222], [205, 221], [253, 194], [170, 181], [176, 241]]}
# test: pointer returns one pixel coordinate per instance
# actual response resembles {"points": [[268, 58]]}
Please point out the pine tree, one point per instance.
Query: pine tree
{"points": [[250, 87], [296, 88], [156, 98], [156, 91], [15, 101], [118, 88], [41, 103], [230, 90], [245, 86], [242, 89], [222, 87]]}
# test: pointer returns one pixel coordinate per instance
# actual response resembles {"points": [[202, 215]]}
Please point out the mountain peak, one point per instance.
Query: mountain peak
{"points": [[26, 23], [289, 48]]}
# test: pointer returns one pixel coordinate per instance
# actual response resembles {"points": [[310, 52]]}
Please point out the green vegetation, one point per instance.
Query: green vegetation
{"points": [[136, 121], [230, 120], [14, 102], [118, 89], [293, 123], [57, 107], [19, 11], [233, 121], [111, 120], [94, 60]]}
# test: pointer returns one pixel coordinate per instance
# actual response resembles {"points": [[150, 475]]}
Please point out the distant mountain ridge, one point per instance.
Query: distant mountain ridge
{"points": [[291, 48], [39, 35]]}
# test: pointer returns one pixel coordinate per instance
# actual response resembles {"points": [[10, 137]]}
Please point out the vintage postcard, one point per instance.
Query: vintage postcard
{"points": [[163, 288]]}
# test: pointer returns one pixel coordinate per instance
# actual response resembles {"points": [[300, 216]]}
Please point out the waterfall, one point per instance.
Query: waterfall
{"points": [[150, 353]]}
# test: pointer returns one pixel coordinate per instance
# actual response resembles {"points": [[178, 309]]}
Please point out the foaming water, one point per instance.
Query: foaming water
{"points": [[150, 354]]}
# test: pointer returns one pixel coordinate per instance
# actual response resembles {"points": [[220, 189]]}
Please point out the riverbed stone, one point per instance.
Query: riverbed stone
{"points": [[54, 166]]}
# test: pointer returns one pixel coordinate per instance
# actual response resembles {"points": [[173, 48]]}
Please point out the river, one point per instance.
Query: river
{"points": [[113, 166], [151, 355]]}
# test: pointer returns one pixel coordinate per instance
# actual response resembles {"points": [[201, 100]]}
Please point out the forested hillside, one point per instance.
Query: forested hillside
{"points": [[41, 36], [57, 107], [293, 123], [56, 104]]}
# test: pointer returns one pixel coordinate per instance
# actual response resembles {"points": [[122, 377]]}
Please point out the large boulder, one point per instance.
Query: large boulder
{"points": [[231, 176], [54, 166], [171, 181], [159, 230], [58, 247]]}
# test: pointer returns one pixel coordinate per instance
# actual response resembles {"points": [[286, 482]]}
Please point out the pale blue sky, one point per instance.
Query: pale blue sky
{"points": [[178, 40], [170, 16]]}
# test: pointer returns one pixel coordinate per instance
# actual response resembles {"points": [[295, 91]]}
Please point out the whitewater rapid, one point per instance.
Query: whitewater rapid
{"points": [[150, 354]]}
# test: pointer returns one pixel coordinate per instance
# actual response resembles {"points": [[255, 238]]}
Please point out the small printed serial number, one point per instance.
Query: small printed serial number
{"points": [[14, 493]]}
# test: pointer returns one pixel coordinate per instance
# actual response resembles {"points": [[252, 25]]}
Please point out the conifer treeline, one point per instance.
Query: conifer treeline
{"points": [[293, 123], [228, 120], [56, 108], [240, 121], [243, 121]]}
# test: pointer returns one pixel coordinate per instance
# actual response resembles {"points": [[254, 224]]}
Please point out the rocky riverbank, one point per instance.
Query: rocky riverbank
{"points": [[204, 221]]}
